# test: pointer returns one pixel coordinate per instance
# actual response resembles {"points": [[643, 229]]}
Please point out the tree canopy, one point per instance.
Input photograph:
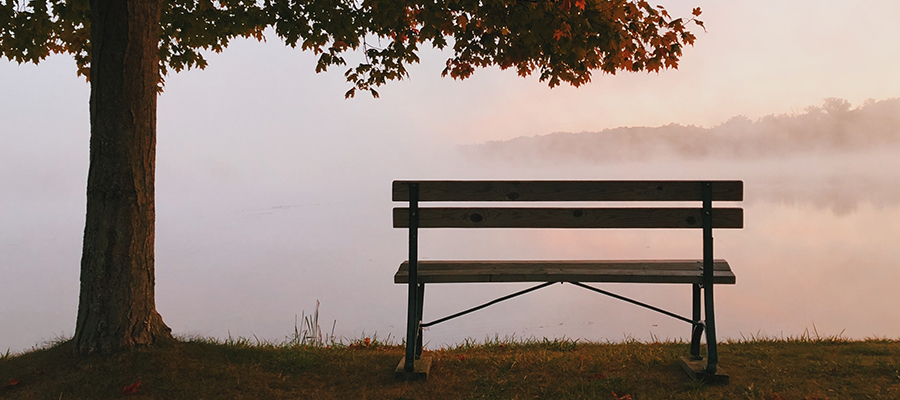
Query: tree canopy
{"points": [[560, 40]]}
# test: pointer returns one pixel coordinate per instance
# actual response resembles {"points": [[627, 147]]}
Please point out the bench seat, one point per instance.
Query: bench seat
{"points": [[625, 271]]}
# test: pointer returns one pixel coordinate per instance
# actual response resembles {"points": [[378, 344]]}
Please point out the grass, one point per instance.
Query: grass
{"points": [[760, 368]]}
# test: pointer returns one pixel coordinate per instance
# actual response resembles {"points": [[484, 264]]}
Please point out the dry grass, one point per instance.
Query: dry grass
{"points": [[760, 368]]}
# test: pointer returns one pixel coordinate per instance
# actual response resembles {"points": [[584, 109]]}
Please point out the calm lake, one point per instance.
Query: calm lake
{"points": [[242, 248]]}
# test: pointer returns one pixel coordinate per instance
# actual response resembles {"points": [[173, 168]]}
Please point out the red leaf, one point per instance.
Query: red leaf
{"points": [[132, 388], [564, 31], [696, 12], [13, 382]]}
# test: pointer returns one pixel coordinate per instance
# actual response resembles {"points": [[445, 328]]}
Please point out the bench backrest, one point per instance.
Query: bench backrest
{"points": [[567, 191]]}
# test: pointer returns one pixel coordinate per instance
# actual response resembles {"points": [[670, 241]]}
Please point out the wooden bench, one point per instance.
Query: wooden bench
{"points": [[701, 273]]}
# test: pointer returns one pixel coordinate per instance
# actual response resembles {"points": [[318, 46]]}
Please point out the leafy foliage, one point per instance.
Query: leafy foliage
{"points": [[560, 40]]}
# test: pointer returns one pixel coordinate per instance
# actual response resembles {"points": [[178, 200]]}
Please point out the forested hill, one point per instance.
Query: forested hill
{"points": [[833, 127]]}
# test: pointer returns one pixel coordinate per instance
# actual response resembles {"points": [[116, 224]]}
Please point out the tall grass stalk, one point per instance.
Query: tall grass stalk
{"points": [[307, 331]]}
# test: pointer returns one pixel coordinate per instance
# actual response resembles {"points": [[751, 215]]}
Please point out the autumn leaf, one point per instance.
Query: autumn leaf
{"points": [[622, 397], [132, 388], [696, 12], [580, 4], [653, 65], [13, 382], [700, 23], [564, 31]]}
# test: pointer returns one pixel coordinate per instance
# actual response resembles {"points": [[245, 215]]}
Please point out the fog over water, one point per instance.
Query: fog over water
{"points": [[273, 191], [249, 234], [819, 246]]}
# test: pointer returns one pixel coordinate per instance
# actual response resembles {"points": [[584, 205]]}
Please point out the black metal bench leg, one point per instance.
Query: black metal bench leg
{"points": [[414, 300], [412, 328], [712, 358], [697, 329], [420, 300]]}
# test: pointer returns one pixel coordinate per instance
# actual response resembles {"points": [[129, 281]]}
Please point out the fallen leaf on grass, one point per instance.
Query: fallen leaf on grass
{"points": [[622, 397], [132, 388], [13, 382]]}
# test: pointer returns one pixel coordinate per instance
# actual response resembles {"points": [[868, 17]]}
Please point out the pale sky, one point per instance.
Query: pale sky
{"points": [[259, 131]]}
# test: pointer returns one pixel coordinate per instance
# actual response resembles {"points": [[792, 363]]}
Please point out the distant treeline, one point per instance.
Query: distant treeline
{"points": [[833, 127]]}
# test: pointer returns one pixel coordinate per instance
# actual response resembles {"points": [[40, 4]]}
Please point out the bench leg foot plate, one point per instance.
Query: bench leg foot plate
{"points": [[697, 370], [420, 370]]}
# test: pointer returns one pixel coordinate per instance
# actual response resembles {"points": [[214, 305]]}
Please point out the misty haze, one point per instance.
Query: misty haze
{"points": [[250, 234], [825, 156]]}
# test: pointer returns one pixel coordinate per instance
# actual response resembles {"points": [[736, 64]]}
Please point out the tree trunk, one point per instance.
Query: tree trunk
{"points": [[117, 307]]}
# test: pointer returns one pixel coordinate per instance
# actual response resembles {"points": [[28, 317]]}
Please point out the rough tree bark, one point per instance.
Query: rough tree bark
{"points": [[117, 307]]}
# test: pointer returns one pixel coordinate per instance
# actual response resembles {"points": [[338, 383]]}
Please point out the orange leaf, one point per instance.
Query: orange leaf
{"points": [[13, 382], [132, 388], [580, 4], [696, 12], [565, 30], [622, 397]]}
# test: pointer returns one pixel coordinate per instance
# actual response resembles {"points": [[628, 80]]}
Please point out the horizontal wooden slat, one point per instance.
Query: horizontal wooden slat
{"points": [[626, 271], [567, 190], [568, 217]]}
